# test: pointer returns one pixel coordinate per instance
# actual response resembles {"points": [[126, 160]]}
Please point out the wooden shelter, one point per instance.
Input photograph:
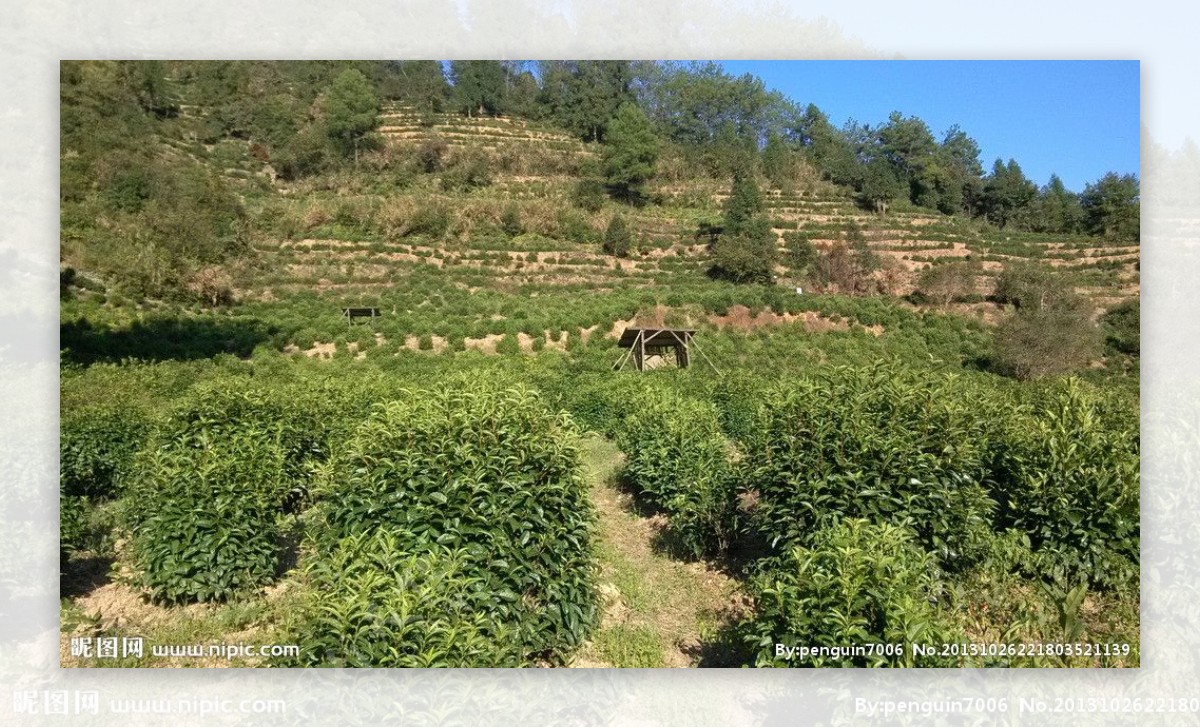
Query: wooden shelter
{"points": [[361, 312], [646, 343]]}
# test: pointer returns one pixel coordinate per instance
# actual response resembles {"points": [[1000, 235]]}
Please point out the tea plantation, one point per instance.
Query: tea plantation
{"points": [[921, 427]]}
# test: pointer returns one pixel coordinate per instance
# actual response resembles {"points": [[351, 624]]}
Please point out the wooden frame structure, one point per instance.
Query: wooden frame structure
{"points": [[360, 312], [643, 343]]}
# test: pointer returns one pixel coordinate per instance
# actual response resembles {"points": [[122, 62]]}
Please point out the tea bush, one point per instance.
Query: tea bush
{"points": [[1066, 473], [72, 522], [874, 443], [677, 455], [97, 447], [204, 510], [309, 416], [1122, 327], [489, 471], [739, 403], [856, 584], [370, 603], [594, 403]]}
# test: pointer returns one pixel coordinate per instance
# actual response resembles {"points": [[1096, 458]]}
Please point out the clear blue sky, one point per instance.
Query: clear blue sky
{"points": [[1078, 119]]}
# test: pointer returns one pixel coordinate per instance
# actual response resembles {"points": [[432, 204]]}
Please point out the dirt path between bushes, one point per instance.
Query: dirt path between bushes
{"points": [[658, 610]]}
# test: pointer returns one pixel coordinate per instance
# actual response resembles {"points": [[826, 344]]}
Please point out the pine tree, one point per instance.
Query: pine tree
{"points": [[1112, 207], [351, 110], [630, 152], [479, 86], [745, 201], [776, 160], [617, 240]]}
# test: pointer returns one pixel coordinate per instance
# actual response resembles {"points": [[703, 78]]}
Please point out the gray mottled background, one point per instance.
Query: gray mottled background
{"points": [[34, 36]]}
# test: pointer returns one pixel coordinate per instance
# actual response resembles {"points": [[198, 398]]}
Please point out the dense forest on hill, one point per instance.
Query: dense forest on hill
{"points": [[911, 418]]}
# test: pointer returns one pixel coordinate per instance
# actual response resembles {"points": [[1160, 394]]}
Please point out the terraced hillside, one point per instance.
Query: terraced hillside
{"points": [[465, 266]]}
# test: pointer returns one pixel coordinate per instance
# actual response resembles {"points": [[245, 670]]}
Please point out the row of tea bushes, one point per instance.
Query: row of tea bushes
{"points": [[679, 458], [831, 472], [958, 460], [1065, 472], [445, 525], [97, 446], [211, 490], [490, 474], [872, 443], [857, 584], [97, 449], [205, 509]]}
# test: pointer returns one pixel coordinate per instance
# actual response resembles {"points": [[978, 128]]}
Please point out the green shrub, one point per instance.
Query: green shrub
{"points": [[1030, 286], [588, 194], [596, 404], [948, 282], [510, 221], [873, 443], [305, 153], [508, 345], [309, 417], [467, 171], [205, 510], [575, 228], [857, 585], [739, 403], [97, 447], [1045, 340], [1122, 327], [370, 603], [72, 522], [429, 155], [801, 253], [677, 455], [617, 240], [1066, 474], [490, 471], [431, 219], [747, 256]]}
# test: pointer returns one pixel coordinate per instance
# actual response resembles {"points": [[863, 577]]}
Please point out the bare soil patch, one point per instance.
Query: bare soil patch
{"points": [[321, 350], [487, 344]]}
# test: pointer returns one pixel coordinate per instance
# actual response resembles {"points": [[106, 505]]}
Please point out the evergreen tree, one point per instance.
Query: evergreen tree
{"points": [[351, 110], [744, 203], [880, 185], [423, 85], [747, 256], [746, 249], [826, 147], [1057, 209], [630, 152], [776, 161], [584, 96], [801, 253], [479, 87], [617, 239], [958, 155], [147, 81], [521, 90], [1112, 207], [909, 147], [1007, 195]]}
